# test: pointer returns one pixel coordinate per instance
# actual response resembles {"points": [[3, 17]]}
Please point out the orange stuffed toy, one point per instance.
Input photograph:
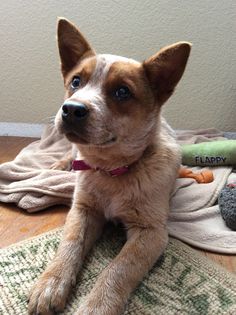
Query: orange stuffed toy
{"points": [[203, 177]]}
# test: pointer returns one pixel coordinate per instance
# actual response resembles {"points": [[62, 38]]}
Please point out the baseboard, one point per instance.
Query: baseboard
{"points": [[20, 129]]}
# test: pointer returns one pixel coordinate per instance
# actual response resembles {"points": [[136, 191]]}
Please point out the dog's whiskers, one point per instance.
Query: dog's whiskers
{"points": [[49, 119]]}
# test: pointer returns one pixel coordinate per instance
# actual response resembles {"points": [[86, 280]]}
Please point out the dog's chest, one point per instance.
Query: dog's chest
{"points": [[114, 207], [110, 195], [121, 197], [112, 200]]}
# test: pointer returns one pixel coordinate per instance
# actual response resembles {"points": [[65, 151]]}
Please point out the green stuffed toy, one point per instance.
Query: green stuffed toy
{"points": [[214, 153]]}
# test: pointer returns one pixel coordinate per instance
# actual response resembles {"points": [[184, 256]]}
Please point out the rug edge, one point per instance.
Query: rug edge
{"points": [[195, 257]]}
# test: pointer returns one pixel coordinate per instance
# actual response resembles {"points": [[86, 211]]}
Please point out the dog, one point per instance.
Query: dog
{"points": [[130, 158]]}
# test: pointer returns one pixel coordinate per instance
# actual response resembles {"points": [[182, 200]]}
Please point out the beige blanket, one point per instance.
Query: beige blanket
{"points": [[29, 182]]}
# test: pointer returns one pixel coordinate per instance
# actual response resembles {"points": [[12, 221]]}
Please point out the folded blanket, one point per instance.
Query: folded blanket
{"points": [[29, 182], [195, 215], [198, 136]]}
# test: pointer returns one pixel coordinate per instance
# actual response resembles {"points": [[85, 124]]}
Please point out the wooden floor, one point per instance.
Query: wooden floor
{"points": [[17, 225]]}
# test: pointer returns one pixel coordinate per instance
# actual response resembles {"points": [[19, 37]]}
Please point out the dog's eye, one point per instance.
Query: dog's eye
{"points": [[75, 83], [122, 93]]}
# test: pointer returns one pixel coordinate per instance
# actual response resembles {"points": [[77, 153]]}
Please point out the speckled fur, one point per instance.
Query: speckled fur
{"points": [[140, 198]]}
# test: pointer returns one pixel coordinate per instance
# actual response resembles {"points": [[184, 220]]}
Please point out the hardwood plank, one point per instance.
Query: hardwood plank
{"points": [[226, 261], [11, 146], [17, 225]]}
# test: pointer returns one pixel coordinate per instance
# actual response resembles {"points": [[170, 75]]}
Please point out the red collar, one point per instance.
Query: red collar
{"points": [[80, 165]]}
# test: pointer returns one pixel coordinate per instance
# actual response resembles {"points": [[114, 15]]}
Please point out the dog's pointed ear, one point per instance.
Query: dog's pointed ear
{"points": [[73, 47], [165, 69]]}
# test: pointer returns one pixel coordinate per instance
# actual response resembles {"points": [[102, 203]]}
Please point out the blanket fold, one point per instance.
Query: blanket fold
{"points": [[29, 182]]}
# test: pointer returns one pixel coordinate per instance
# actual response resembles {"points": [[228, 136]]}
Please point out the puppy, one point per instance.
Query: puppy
{"points": [[112, 114]]}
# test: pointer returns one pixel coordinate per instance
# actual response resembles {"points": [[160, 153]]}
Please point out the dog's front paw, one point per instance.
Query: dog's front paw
{"points": [[49, 294], [62, 165]]}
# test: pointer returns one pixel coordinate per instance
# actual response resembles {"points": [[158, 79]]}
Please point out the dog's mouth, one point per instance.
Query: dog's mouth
{"points": [[77, 135], [78, 138], [108, 142], [73, 137]]}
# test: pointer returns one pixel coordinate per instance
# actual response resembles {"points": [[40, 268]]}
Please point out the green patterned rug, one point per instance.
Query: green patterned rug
{"points": [[182, 282]]}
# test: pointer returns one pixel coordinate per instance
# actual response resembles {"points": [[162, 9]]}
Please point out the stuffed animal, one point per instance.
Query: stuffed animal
{"points": [[227, 204], [203, 177], [214, 153]]}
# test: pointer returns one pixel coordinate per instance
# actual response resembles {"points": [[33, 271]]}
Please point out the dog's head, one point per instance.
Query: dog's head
{"points": [[112, 102]]}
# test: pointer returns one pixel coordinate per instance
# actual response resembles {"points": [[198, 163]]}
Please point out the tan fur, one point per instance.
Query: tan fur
{"points": [[139, 198], [65, 163], [68, 33], [84, 69]]}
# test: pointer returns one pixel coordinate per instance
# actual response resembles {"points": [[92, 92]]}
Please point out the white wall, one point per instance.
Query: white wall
{"points": [[31, 85]]}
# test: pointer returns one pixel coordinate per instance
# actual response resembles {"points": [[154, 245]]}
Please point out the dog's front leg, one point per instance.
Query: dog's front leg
{"points": [[50, 292], [118, 280]]}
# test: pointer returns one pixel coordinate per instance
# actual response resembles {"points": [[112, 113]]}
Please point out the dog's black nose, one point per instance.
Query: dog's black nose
{"points": [[73, 111]]}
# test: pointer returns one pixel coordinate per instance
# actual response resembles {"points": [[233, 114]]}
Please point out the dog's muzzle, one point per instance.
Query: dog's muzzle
{"points": [[73, 112]]}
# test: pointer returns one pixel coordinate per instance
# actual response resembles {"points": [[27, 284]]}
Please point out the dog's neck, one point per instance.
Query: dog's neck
{"points": [[80, 165], [106, 158], [110, 158]]}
